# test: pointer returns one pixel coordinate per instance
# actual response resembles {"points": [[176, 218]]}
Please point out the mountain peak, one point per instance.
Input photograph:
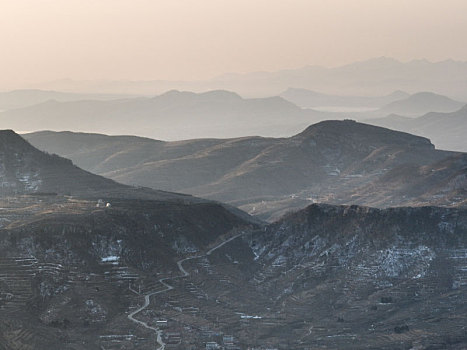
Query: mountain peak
{"points": [[8, 133], [383, 59], [421, 103], [399, 93], [176, 93], [355, 132], [10, 141], [427, 95], [25, 169], [212, 94], [223, 94], [373, 63]]}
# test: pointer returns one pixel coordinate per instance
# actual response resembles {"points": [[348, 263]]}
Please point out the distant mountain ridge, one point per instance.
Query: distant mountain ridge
{"points": [[176, 115], [28, 97], [446, 130], [342, 162], [172, 115], [362, 108], [309, 99], [421, 103], [373, 77]]}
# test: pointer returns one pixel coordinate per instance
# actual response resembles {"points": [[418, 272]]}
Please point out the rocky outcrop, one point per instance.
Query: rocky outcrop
{"points": [[361, 276]]}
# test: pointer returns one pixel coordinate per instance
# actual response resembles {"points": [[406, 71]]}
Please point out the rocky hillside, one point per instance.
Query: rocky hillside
{"points": [[325, 277], [26, 170], [354, 277], [340, 162], [72, 266], [67, 268]]}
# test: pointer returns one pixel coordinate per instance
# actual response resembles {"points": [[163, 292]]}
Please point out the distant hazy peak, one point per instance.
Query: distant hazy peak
{"points": [[29, 91], [175, 92], [306, 92], [215, 94], [399, 93], [427, 95], [422, 102], [301, 90], [376, 62], [389, 61], [221, 94], [276, 99]]}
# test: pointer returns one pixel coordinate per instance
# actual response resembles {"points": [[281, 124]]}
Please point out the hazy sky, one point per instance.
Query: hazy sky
{"points": [[45, 40]]}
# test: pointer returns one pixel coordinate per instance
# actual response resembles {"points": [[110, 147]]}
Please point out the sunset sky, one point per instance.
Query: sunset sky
{"points": [[44, 40]]}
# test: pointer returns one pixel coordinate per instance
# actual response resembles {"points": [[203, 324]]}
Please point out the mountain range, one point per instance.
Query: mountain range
{"points": [[177, 115], [446, 130], [24, 98], [312, 99], [374, 77], [421, 103], [145, 273], [340, 162], [362, 108], [377, 76], [172, 115]]}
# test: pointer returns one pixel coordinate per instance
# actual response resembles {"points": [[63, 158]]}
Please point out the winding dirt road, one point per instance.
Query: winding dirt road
{"points": [[184, 273]]}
